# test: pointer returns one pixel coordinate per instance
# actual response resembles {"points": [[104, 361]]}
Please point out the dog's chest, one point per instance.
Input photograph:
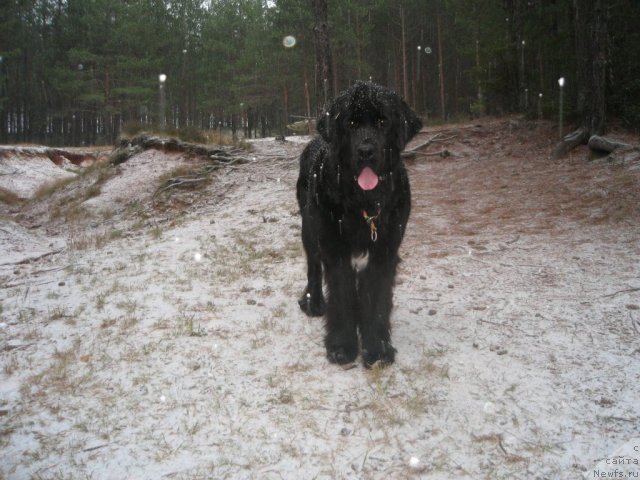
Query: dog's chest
{"points": [[356, 236], [355, 231], [360, 261]]}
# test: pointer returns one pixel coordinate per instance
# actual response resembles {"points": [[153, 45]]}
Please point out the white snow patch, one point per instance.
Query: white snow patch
{"points": [[19, 245], [25, 175], [519, 361], [138, 179]]}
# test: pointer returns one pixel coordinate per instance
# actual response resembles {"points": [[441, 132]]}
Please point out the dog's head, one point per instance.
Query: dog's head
{"points": [[368, 126]]}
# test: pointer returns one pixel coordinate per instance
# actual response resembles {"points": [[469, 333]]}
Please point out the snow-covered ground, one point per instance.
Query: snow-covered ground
{"points": [[141, 340]]}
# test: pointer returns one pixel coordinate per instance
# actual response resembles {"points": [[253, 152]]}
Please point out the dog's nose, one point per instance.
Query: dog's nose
{"points": [[365, 151]]}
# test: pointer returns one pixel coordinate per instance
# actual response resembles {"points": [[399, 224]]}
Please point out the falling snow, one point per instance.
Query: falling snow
{"points": [[177, 348]]}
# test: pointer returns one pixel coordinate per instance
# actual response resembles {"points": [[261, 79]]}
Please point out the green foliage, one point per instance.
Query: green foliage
{"points": [[75, 71]]}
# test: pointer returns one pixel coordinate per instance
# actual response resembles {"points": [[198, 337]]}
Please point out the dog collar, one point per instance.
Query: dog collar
{"points": [[371, 221]]}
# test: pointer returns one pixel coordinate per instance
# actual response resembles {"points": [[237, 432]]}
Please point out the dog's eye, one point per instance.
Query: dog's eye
{"points": [[382, 122], [353, 124]]}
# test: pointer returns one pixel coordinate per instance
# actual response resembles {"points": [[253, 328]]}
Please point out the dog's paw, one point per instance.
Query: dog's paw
{"points": [[314, 307], [382, 355], [342, 355]]}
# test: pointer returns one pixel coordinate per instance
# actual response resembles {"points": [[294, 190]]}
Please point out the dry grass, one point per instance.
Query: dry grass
{"points": [[180, 171], [9, 198], [65, 196], [86, 241], [57, 376], [217, 138], [523, 190], [187, 134], [49, 188]]}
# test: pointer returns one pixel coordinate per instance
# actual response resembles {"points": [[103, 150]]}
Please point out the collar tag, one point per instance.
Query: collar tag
{"points": [[371, 221]]}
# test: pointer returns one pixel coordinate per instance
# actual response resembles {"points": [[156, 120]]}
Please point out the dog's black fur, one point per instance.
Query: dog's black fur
{"points": [[366, 126]]}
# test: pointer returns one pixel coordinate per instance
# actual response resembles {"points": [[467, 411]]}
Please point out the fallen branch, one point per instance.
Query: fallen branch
{"points": [[32, 259], [9, 347], [628, 290], [20, 284], [347, 409], [178, 182], [47, 270], [203, 176], [431, 140], [97, 447], [480, 320], [424, 144], [229, 159], [509, 242], [442, 153]]}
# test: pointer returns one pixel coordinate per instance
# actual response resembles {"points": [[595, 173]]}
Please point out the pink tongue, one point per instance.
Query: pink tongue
{"points": [[368, 180]]}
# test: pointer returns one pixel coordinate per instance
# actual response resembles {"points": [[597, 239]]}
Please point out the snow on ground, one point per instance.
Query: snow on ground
{"points": [[133, 180], [176, 349], [24, 175]]}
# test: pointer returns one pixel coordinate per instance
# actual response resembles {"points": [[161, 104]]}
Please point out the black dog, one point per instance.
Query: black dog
{"points": [[354, 196]]}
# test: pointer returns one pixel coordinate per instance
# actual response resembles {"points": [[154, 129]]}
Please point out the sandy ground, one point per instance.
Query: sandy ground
{"points": [[146, 339]]}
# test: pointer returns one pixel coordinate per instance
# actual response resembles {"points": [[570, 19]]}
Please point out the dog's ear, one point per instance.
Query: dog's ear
{"points": [[327, 123]]}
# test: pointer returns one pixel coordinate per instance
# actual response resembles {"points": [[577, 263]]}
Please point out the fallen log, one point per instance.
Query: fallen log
{"points": [[604, 144]]}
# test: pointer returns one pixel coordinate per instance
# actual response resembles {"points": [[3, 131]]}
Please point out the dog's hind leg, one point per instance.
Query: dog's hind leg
{"points": [[312, 300]]}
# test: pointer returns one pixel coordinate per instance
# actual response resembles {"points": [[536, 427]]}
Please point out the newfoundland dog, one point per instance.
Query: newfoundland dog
{"points": [[354, 197]]}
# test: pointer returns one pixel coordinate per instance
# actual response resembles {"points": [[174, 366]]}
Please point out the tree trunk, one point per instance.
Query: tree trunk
{"points": [[285, 94], [308, 102], [323, 51], [405, 87], [591, 49], [591, 38], [441, 70]]}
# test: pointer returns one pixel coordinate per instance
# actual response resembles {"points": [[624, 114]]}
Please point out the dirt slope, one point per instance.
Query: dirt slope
{"points": [[168, 342]]}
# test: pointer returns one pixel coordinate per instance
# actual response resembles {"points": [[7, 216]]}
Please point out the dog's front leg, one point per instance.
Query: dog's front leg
{"points": [[375, 295], [341, 340]]}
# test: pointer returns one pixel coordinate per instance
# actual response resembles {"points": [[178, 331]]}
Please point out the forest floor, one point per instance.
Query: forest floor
{"points": [[158, 336]]}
